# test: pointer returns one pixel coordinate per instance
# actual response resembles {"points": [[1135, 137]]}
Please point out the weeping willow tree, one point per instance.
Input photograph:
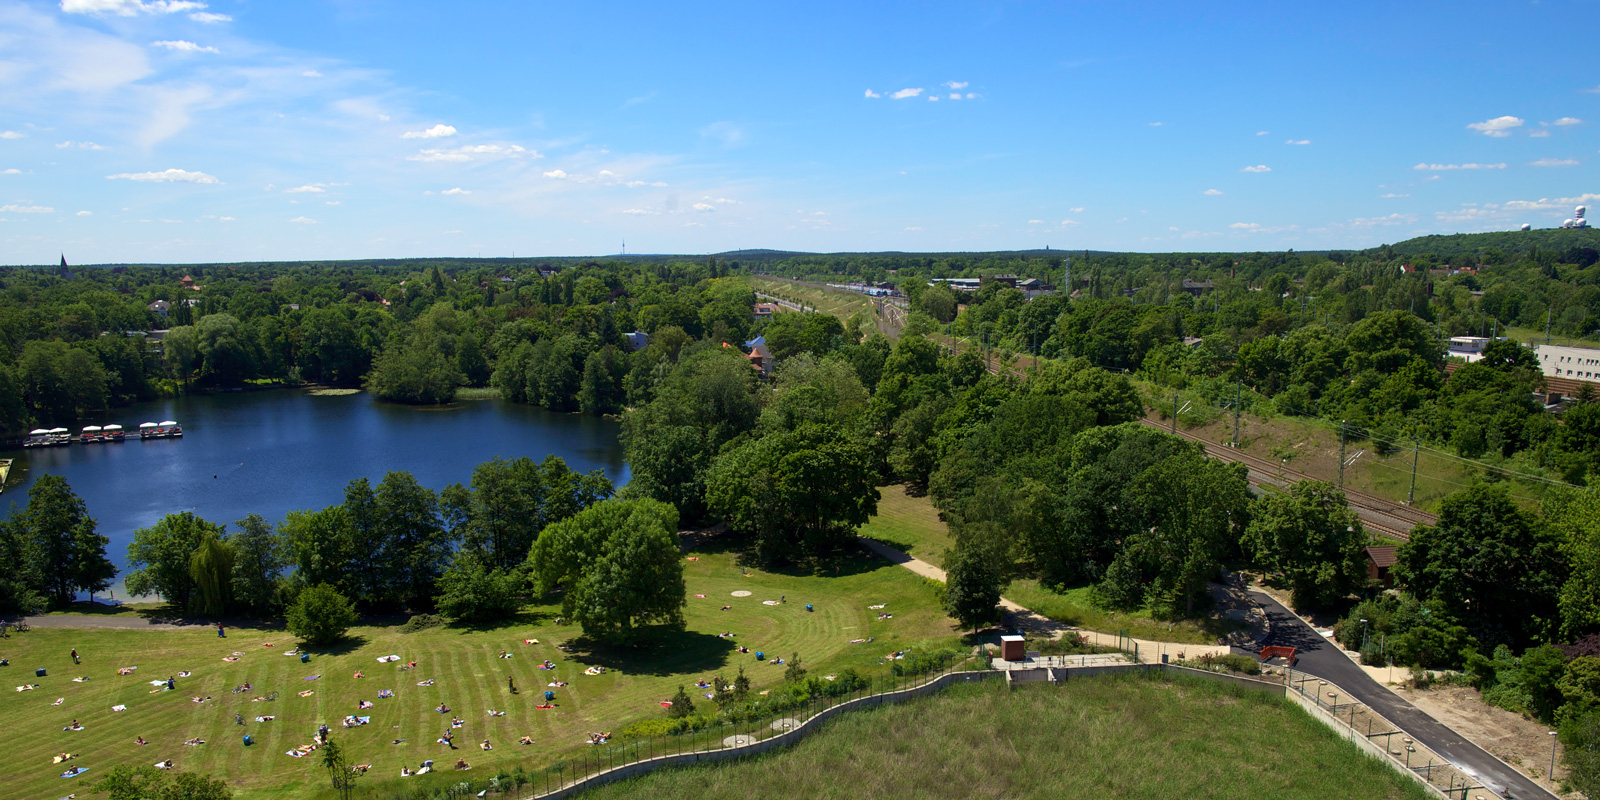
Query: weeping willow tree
{"points": [[211, 567]]}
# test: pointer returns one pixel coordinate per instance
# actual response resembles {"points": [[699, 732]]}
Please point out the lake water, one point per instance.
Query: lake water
{"points": [[271, 452]]}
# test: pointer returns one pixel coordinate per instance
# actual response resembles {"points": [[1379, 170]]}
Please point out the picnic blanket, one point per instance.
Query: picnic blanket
{"points": [[383, 693], [74, 772], [769, 602], [59, 701], [307, 693], [310, 677], [387, 659], [265, 718], [119, 707]]}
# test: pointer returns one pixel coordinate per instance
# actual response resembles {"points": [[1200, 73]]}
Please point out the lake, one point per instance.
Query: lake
{"points": [[271, 452]]}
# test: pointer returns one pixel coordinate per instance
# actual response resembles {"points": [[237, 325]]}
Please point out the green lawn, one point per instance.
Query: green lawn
{"points": [[1076, 607], [1109, 737], [909, 524], [463, 662]]}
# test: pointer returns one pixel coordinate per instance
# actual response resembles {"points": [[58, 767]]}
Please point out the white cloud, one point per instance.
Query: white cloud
{"points": [[471, 151], [955, 95], [165, 176], [1392, 219], [225, 219], [1540, 133], [79, 145], [955, 84], [1069, 222], [1445, 167], [639, 212], [1568, 121], [557, 174], [933, 98], [1262, 133], [1554, 162], [16, 209], [434, 132], [1035, 222], [11, 171], [311, 73], [311, 187], [128, 8], [182, 46], [330, 202], [704, 207], [1499, 127], [637, 184], [12, 135], [303, 221], [1258, 168], [85, 213], [871, 93], [720, 200], [1298, 141], [1245, 226], [456, 191], [1157, 124], [209, 18], [1212, 192], [904, 93], [914, 228], [1392, 194]]}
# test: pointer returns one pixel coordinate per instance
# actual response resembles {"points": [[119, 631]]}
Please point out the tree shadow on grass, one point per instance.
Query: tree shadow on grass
{"points": [[846, 562], [657, 651], [343, 647], [521, 619]]}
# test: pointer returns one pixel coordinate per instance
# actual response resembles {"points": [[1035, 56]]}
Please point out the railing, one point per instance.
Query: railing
{"points": [[1378, 736]]}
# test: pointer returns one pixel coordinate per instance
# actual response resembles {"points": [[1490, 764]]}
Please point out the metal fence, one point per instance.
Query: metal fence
{"points": [[1359, 723]]}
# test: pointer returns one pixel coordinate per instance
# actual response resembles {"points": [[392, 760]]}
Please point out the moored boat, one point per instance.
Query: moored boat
{"points": [[59, 437], [112, 433], [38, 437], [91, 434], [170, 429], [147, 430]]}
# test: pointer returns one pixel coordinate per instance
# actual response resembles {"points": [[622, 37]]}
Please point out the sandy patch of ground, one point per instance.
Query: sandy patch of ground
{"points": [[1520, 742]]}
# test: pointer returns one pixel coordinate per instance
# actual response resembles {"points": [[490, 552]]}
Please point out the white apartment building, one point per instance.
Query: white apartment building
{"points": [[1577, 363]]}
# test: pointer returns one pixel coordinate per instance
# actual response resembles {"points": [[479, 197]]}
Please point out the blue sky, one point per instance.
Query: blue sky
{"points": [[177, 131]]}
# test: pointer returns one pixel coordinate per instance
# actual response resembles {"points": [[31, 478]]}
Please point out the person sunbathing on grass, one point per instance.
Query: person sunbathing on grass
{"points": [[494, 713], [461, 763], [525, 740], [364, 704], [140, 740], [359, 675], [195, 741], [405, 772], [442, 708], [557, 684], [485, 745]]}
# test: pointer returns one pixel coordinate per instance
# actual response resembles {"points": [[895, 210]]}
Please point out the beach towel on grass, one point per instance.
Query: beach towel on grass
{"points": [[387, 659]]}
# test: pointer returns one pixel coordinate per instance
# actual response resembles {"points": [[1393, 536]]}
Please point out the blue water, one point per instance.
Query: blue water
{"points": [[276, 451]]}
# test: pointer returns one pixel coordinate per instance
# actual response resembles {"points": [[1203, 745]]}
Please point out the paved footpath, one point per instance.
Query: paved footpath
{"points": [[1316, 655], [1023, 618]]}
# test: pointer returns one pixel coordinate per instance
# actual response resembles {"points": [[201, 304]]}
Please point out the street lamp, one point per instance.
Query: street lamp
{"points": [[1552, 772], [1363, 634]]}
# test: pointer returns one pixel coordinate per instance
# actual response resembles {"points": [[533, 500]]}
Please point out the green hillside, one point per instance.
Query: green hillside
{"points": [[1512, 243]]}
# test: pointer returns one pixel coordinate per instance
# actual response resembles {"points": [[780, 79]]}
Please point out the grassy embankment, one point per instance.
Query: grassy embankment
{"points": [[912, 524], [1123, 737], [463, 662], [840, 303], [1311, 446]]}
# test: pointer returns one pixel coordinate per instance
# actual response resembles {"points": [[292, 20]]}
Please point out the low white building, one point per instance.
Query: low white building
{"points": [[1577, 363], [1469, 348]]}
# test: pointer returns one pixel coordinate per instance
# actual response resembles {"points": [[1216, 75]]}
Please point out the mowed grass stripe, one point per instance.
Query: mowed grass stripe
{"points": [[462, 660]]}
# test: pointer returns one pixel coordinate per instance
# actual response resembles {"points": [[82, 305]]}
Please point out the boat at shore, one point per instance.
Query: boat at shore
{"points": [[38, 437], [91, 434], [112, 433], [59, 437], [166, 429]]}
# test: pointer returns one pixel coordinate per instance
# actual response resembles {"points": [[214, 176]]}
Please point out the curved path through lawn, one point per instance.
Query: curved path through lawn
{"points": [[1026, 619]]}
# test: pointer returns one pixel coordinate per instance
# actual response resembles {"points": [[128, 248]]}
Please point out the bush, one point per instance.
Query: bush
{"points": [[320, 615], [421, 622], [1240, 663], [919, 663]]}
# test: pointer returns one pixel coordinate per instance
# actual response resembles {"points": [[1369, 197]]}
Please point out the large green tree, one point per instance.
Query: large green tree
{"points": [[802, 493], [1310, 536], [260, 556], [67, 553], [159, 557], [1494, 566], [619, 564]]}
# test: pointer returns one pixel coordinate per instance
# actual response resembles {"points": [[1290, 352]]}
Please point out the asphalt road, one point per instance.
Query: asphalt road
{"points": [[1322, 658]]}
